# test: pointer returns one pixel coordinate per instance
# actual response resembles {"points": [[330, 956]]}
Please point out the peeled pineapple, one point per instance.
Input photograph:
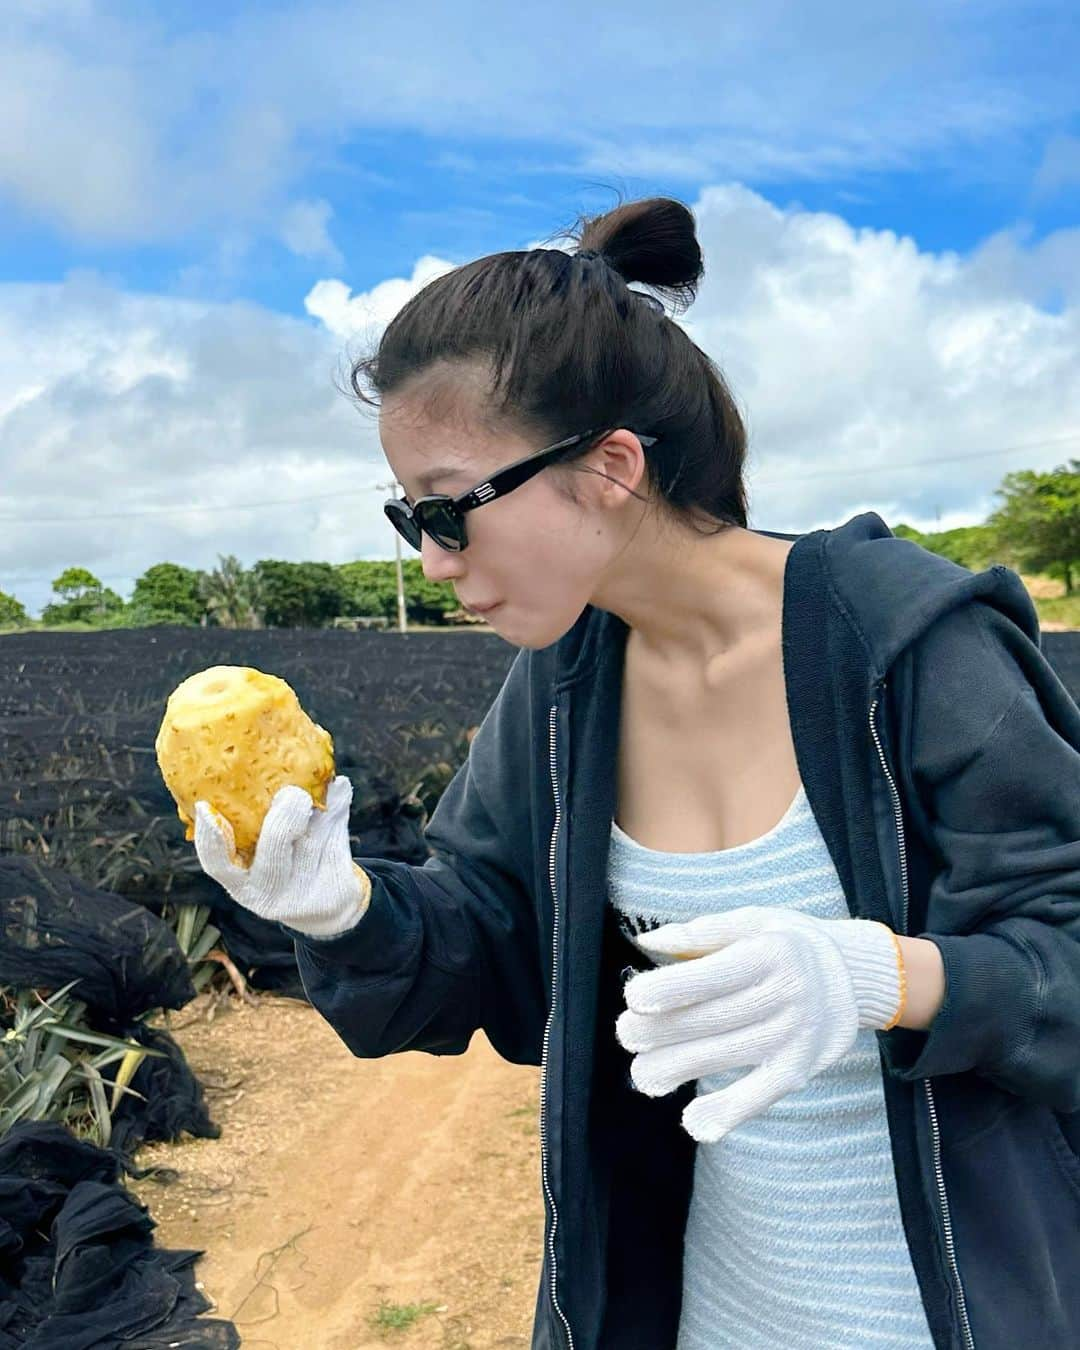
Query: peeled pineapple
{"points": [[232, 736]]}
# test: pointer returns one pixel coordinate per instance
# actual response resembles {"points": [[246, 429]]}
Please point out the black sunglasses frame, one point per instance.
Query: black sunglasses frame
{"points": [[409, 521]]}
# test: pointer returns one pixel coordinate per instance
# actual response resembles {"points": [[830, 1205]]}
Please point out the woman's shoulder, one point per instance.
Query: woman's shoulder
{"points": [[899, 594]]}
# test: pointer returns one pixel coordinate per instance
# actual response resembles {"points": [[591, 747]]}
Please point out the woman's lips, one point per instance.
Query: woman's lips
{"points": [[473, 609]]}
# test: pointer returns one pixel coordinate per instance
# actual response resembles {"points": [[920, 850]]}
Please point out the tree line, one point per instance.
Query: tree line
{"points": [[1036, 529], [270, 594]]}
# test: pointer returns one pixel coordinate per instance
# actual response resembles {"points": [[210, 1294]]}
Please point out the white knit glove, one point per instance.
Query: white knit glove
{"points": [[782, 992], [302, 874]]}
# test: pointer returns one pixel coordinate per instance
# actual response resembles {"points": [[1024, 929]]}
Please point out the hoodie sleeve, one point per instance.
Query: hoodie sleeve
{"points": [[995, 759], [453, 945]]}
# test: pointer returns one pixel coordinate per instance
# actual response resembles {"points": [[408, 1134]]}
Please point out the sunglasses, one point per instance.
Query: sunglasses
{"points": [[442, 518]]}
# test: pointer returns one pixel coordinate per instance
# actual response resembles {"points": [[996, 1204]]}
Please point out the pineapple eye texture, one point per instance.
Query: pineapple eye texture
{"points": [[232, 736]]}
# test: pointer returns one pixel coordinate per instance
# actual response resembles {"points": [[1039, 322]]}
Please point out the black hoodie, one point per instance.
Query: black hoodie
{"points": [[940, 755]]}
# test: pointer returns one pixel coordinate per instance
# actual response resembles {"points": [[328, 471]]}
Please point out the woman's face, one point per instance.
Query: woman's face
{"points": [[534, 552]]}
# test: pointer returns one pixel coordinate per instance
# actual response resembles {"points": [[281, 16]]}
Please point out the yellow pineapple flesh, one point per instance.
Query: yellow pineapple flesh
{"points": [[232, 736]]}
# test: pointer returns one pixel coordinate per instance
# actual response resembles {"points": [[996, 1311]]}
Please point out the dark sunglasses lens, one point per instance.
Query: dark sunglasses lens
{"points": [[405, 524], [443, 526]]}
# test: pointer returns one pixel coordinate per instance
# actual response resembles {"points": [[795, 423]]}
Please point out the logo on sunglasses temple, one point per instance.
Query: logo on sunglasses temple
{"points": [[484, 491]]}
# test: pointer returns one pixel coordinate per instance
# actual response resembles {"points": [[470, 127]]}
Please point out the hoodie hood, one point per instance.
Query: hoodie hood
{"points": [[893, 589]]}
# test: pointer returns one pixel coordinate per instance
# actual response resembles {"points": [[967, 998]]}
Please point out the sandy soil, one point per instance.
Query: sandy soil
{"points": [[341, 1184]]}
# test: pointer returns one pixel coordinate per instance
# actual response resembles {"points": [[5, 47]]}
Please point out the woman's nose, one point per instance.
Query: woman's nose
{"points": [[438, 563]]}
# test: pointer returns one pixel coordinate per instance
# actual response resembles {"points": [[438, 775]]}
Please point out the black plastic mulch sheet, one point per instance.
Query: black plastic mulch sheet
{"points": [[78, 1265], [54, 928], [174, 1098], [126, 961]]}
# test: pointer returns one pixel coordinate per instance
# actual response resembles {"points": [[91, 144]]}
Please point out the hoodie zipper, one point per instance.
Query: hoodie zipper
{"points": [[939, 1176], [547, 1030]]}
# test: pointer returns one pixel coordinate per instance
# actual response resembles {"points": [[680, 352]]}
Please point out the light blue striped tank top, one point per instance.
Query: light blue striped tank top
{"points": [[794, 1236]]}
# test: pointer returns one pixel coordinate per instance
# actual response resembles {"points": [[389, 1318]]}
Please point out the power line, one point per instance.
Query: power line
{"points": [[357, 492], [127, 576], [921, 463], [180, 510]]}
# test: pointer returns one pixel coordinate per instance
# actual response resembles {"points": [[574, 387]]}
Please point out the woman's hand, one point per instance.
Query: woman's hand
{"points": [[780, 992], [302, 874]]}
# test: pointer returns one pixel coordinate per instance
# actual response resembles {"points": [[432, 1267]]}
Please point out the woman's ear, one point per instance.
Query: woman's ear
{"points": [[619, 462]]}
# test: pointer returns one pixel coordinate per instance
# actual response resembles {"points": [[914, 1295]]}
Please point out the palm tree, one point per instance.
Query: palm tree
{"points": [[232, 595]]}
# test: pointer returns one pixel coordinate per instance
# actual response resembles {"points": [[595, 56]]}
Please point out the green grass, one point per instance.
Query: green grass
{"points": [[399, 1316], [1065, 609], [36, 626]]}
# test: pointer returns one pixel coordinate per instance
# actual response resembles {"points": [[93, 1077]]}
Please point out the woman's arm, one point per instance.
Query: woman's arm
{"points": [[925, 972], [994, 759], [453, 946]]}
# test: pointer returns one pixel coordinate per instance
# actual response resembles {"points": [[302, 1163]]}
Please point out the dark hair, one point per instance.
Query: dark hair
{"points": [[571, 345]]}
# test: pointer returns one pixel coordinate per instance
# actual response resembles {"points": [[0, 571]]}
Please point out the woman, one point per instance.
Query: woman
{"points": [[817, 795]]}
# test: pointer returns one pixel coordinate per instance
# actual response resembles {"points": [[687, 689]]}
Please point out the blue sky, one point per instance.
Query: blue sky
{"points": [[946, 123], [419, 199], [179, 179]]}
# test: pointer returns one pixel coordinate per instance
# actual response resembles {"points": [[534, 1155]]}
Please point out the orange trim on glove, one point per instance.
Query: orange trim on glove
{"points": [[903, 983]]}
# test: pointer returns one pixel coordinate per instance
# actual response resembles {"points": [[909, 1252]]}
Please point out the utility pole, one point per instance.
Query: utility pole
{"points": [[397, 490]]}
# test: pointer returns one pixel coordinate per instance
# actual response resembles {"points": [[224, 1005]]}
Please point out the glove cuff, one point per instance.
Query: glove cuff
{"points": [[876, 967]]}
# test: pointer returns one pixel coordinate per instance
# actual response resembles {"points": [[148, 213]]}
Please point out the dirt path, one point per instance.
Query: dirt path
{"points": [[339, 1183]]}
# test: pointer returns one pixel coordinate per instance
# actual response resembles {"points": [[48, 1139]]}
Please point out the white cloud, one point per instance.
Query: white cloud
{"points": [[872, 375], [1060, 165], [854, 354], [129, 123], [77, 146], [116, 406], [366, 314], [305, 231]]}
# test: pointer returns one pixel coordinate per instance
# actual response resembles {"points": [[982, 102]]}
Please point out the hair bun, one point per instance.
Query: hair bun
{"points": [[652, 241]]}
